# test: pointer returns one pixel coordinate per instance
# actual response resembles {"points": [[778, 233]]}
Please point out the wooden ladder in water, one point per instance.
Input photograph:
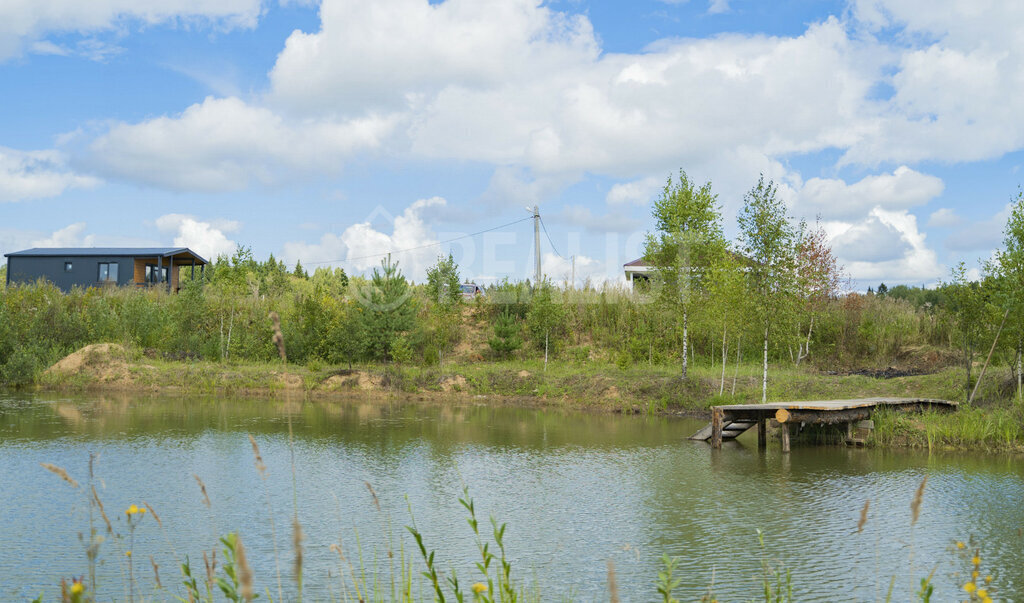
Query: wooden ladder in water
{"points": [[730, 430]]}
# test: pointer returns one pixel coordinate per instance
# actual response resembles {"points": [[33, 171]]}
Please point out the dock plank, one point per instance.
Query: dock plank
{"points": [[815, 411]]}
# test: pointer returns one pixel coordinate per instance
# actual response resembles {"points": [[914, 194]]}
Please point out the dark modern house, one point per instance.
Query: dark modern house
{"points": [[67, 267]]}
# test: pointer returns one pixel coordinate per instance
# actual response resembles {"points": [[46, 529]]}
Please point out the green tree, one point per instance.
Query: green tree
{"points": [[967, 306], [389, 310], [299, 271], [545, 319], [819, 278], [1008, 267], [687, 242], [729, 307], [443, 282], [445, 298], [331, 281], [506, 335], [768, 240]]}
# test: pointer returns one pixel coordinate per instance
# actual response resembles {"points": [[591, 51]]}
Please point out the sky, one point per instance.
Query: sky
{"points": [[332, 132]]}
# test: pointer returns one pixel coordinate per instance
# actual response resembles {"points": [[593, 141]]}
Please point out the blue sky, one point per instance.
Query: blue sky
{"points": [[335, 130]]}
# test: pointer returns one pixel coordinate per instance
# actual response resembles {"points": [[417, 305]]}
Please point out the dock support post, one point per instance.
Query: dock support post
{"points": [[849, 433], [716, 427], [762, 433], [785, 436]]}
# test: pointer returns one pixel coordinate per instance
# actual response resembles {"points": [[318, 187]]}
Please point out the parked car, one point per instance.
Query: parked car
{"points": [[470, 291]]}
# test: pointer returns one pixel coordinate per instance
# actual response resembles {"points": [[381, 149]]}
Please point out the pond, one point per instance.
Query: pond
{"points": [[576, 491]]}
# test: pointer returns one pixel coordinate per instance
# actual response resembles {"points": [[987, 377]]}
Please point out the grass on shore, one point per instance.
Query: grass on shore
{"points": [[993, 422]]}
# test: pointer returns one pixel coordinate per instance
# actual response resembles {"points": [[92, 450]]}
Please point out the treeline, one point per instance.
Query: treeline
{"points": [[331, 319], [774, 295]]}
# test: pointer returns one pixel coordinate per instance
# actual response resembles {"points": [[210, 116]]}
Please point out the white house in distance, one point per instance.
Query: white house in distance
{"points": [[637, 270]]}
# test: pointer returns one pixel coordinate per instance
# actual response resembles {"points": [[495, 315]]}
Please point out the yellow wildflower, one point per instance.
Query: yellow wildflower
{"points": [[988, 579], [960, 544], [976, 560], [982, 593], [132, 510], [974, 575], [77, 588], [970, 587], [478, 588], [127, 553], [142, 510]]}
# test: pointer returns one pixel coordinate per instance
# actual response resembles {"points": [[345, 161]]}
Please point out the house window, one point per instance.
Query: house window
{"points": [[108, 272], [151, 274], [67, 266]]}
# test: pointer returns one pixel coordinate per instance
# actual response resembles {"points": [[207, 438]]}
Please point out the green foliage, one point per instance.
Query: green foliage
{"points": [[667, 582], [21, 367], [545, 320], [688, 242], [443, 282], [389, 309], [507, 337]]}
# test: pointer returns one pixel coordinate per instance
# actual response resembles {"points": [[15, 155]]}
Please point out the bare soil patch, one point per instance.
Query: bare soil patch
{"points": [[103, 362]]}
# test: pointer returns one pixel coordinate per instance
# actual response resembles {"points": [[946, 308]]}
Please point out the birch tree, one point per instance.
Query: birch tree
{"points": [[768, 240], [727, 295], [819, 279], [1008, 266], [687, 242]]}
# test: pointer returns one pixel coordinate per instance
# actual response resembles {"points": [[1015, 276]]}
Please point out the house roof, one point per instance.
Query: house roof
{"points": [[106, 251], [638, 262]]}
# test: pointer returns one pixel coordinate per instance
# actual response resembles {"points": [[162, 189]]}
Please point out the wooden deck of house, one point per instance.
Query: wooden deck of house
{"points": [[728, 422]]}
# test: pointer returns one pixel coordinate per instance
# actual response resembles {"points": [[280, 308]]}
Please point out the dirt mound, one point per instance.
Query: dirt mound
{"points": [[107, 362], [925, 359], [353, 380], [456, 383], [524, 373], [289, 380]]}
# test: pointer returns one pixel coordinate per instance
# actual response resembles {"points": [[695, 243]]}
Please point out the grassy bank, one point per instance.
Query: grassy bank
{"points": [[993, 422]]}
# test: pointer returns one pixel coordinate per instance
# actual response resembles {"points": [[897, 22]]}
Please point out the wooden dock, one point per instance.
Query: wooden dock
{"points": [[728, 422]]}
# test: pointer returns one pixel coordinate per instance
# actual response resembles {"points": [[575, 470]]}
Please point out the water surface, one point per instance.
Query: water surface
{"points": [[575, 489]]}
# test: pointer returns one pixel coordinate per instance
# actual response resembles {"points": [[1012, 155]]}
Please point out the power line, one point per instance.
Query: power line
{"points": [[552, 243], [397, 251]]}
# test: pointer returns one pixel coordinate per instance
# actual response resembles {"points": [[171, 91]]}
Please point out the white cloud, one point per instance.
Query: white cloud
{"points": [[888, 246], [835, 199], [361, 247], [581, 217], [983, 235], [716, 7], [226, 144], [69, 236], [560, 270], [944, 217], [36, 174], [208, 239], [388, 54], [637, 192], [23, 21], [526, 88]]}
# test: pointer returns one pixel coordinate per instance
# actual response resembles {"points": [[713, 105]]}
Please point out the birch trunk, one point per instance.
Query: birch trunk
{"points": [[725, 360], [805, 349], [685, 344], [764, 380], [736, 374], [545, 351]]}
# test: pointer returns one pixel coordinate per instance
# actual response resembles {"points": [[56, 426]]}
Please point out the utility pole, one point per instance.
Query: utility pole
{"points": [[536, 246]]}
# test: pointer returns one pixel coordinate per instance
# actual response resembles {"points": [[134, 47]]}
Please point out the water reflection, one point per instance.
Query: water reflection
{"points": [[576, 490]]}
